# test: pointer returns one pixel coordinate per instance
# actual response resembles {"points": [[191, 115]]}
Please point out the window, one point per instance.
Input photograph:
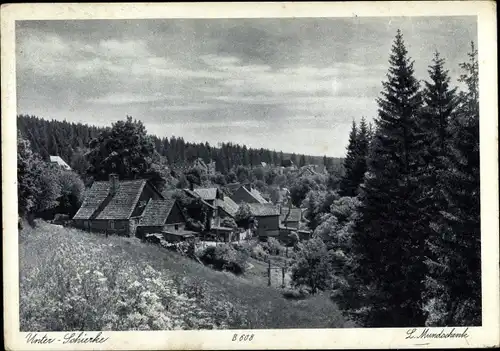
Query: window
{"points": [[112, 224], [176, 226], [86, 224]]}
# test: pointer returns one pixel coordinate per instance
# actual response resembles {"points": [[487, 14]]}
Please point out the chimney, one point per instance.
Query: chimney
{"points": [[113, 184]]}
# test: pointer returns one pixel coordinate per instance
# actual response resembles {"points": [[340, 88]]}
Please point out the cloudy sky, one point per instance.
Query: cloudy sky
{"points": [[286, 84]]}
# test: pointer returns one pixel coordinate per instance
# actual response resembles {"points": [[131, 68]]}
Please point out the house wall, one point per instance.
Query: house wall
{"points": [[267, 223], [143, 230], [172, 227], [175, 216], [291, 224], [121, 227]]}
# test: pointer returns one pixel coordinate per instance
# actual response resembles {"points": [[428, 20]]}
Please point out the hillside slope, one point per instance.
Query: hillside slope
{"points": [[73, 280]]}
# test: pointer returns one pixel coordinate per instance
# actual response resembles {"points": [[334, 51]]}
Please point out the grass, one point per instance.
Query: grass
{"points": [[73, 280]]}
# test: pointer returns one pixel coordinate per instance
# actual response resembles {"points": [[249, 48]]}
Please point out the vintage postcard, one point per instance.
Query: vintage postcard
{"points": [[250, 175]]}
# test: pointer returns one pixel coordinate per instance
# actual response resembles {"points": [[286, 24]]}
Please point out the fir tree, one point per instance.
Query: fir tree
{"points": [[348, 184], [453, 295], [387, 244]]}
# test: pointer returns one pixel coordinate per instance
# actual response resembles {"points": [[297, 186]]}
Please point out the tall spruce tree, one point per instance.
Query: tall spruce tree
{"points": [[355, 162], [347, 183], [387, 244], [453, 295]]}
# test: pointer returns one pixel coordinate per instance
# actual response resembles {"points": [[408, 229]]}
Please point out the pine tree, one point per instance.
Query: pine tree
{"points": [[440, 103], [348, 185], [387, 244], [454, 282]]}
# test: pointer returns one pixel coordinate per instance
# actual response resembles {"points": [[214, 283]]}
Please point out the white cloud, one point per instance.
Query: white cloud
{"points": [[121, 48], [128, 98]]}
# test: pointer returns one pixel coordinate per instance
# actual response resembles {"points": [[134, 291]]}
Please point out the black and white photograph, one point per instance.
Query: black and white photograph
{"points": [[281, 173]]}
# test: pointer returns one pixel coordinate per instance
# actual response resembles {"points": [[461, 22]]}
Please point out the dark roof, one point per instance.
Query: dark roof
{"points": [[233, 186], [99, 204], [287, 163], [228, 205], [96, 195], [294, 216], [156, 212], [263, 210], [122, 204], [255, 194]]}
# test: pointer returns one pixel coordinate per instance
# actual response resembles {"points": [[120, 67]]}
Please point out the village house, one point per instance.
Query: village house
{"points": [[268, 219], [221, 206], [201, 206], [164, 216], [115, 206], [247, 194], [60, 162]]}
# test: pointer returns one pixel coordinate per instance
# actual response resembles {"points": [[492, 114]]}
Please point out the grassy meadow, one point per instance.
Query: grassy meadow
{"points": [[73, 280]]}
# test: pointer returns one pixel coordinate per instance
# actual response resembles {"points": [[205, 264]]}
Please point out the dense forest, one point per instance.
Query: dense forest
{"points": [[396, 234], [71, 140]]}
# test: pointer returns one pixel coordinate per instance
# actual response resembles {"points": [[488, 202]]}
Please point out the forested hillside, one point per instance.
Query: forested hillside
{"points": [[71, 141]]}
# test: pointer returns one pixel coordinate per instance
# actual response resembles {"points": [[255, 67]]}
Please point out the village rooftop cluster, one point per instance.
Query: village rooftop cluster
{"points": [[137, 208]]}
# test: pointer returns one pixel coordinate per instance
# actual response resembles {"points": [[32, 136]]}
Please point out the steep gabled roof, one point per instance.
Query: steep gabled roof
{"points": [[122, 204], [264, 210], [96, 195], [99, 204], [256, 195], [228, 205], [156, 212]]}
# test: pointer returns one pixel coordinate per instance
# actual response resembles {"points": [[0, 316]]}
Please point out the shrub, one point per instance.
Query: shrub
{"points": [[258, 253], [299, 293], [228, 222], [224, 257], [274, 247], [251, 249], [312, 266]]}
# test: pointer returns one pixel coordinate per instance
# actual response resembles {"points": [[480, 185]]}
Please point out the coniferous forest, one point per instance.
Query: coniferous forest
{"points": [[395, 224]]}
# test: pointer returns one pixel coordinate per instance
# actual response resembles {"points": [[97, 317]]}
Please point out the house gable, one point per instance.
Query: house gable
{"points": [[175, 216]]}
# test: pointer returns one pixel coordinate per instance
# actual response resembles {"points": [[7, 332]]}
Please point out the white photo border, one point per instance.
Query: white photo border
{"points": [[356, 338]]}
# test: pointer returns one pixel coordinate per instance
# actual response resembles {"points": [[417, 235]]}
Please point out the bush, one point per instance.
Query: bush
{"points": [[312, 267], [228, 222], [253, 250], [274, 247], [258, 253], [299, 293], [224, 257]]}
